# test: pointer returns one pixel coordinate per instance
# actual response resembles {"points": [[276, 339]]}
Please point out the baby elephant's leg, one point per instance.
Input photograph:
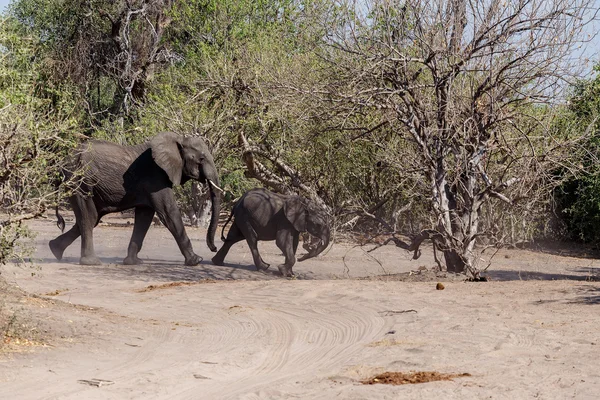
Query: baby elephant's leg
{"points": [[287, 243], [252, 239], [233, 236]]}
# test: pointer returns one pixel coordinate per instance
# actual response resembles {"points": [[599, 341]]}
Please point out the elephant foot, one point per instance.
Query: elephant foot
{"points": [[132, 261], [218, 261], [56, 249], [90, 260], [193, 260], [262, 267], [285, 270]]}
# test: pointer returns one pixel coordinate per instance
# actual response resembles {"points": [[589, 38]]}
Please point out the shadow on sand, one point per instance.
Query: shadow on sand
{"points": [[584, 294], [161, 270], [583, 274], [587, 295], [564, 249]]}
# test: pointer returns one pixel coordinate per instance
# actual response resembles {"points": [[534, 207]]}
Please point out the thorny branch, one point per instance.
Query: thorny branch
{"points": [[258, 170]]}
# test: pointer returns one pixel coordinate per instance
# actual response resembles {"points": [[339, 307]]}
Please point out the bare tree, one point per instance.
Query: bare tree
{"points": [[110, 49], [467, 86], [136, 32], [29, 165]]}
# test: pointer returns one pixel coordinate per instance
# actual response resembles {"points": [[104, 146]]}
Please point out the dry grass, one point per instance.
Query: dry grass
{"points": [[395, 342], [402, 378], [18, 331], [176, 284]]}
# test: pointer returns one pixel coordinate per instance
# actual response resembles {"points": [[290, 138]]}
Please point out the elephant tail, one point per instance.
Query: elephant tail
{"points": [[226, 223], [60, 220]]}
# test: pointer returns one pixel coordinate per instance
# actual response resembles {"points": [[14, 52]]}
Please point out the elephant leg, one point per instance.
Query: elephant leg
{"points": [[166, 207], [252, 239], [233, 236], [142, 221], [258, 261], [58, 245], [296, 241], [86, 216], [287, 243]]}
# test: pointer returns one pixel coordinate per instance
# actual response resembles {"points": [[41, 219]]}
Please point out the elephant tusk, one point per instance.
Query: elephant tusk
{"points": [[215, 186]]}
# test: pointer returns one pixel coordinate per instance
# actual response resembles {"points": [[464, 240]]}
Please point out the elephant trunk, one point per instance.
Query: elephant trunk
{"points": [[215, 198], [322, 244]]}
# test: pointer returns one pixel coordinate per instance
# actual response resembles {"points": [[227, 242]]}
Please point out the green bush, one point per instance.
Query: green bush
{"points": [[578, 199]]}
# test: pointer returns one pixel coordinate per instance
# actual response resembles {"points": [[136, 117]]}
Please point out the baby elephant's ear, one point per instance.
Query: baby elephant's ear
{"points": [[295, 211], [166, 153]]}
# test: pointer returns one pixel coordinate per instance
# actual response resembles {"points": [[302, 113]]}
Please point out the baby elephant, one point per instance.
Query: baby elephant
{"points": [[264, 215]]}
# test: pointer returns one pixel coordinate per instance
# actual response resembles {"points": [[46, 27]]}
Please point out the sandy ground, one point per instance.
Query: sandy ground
{"points": [[234, 333]]}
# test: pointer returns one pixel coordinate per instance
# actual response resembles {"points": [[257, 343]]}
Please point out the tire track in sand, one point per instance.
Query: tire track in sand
{"points": [[297, 337], [128, 370], [251, 341]]}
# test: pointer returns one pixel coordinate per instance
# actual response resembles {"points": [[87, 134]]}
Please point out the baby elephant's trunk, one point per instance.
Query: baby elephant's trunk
{"points": [[322, 244]]}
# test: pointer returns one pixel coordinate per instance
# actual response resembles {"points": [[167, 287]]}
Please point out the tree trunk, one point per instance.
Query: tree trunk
{"points": [[199, 202], [204, 214], [454, 262]]}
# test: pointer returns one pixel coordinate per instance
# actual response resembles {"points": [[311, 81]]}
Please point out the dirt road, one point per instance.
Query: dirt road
{"points": [[166, 331]]}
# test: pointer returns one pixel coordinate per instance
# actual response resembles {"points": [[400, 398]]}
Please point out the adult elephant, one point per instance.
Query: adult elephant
{"points": [[116, 178], [264, 215]]}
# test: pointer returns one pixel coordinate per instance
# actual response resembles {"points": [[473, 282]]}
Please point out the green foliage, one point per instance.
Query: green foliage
{"points": [[36, 126], [578, 199], [261, 68], [579, 205], [221, 25], [235, 184], [15, 242], [234, 52]]}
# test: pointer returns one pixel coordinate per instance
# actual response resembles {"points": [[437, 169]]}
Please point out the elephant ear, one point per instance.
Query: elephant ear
{"points": [[167, 155], [295, 211]]}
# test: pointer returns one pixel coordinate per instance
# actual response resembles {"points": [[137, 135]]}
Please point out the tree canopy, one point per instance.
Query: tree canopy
{"points": [[444, 121]]}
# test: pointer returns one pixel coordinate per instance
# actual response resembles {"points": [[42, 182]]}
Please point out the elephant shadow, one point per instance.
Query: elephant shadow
{"points": [[162, 270]]}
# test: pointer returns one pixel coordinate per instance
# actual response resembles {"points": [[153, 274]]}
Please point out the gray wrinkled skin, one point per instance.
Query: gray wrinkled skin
{"points": [[264, 215], [117, 178]]}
